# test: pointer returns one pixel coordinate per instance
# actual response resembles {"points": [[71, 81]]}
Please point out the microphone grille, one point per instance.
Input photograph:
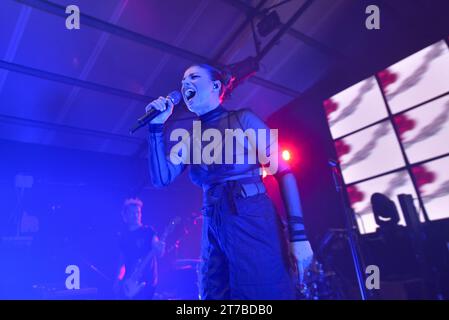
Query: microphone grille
{"points": [[175, 97]]}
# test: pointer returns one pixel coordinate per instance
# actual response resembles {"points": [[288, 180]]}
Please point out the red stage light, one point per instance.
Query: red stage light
{"points": [[286, 155]]}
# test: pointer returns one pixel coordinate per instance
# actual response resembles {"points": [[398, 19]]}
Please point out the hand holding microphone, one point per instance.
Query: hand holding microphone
{"points": [[164, 106], [158, 111]]}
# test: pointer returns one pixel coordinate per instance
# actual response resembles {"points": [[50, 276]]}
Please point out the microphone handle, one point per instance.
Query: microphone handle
{"points": [[145, 119]]}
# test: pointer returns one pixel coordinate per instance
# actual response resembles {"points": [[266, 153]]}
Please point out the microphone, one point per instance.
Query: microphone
{"points": [[175, 98]]}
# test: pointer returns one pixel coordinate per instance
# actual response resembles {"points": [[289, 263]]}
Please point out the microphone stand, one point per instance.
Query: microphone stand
{"points": [[351, 229]]}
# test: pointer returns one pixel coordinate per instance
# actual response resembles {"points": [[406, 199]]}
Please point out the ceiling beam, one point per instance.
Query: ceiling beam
{"points": [[72, 81], [113, 29], [18, 121], [249, 17], [273, 41], [311, 42]]}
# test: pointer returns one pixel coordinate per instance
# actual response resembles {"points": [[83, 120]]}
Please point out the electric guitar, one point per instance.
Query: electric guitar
{"points": [[133, 284]]}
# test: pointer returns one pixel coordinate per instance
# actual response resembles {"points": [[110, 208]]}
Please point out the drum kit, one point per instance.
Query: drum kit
{"points": [[179, 270]]}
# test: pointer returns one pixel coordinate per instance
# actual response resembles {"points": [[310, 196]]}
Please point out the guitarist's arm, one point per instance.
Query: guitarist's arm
{"points": [[158, 246]]}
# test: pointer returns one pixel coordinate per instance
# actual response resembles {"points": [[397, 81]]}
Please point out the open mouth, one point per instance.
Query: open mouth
{"points": [[189, 93]]}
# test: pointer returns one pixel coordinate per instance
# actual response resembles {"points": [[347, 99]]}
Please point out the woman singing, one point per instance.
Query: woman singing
{"points": [[243, 252]]}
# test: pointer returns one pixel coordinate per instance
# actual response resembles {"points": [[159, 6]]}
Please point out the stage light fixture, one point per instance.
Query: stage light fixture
{"points": [[268, 24], [244, 69]]}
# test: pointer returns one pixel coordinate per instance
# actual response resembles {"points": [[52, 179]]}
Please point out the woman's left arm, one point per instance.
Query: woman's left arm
{"points": [[299, 244]]}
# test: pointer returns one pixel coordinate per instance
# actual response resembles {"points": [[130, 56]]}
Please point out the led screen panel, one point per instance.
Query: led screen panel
{"points": [[433, 181], [369, 152], [424, 131], [355, 108], [418, 78]]}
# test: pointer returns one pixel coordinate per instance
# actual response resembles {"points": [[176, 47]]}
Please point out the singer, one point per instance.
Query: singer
{"points": [[244, 253]]}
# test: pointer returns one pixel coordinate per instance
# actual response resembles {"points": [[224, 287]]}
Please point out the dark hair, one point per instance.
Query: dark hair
{"points": [[223, 75]]}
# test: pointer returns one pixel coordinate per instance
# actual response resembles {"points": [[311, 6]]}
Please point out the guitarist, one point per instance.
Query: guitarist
{"points": [[139, 246]]}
